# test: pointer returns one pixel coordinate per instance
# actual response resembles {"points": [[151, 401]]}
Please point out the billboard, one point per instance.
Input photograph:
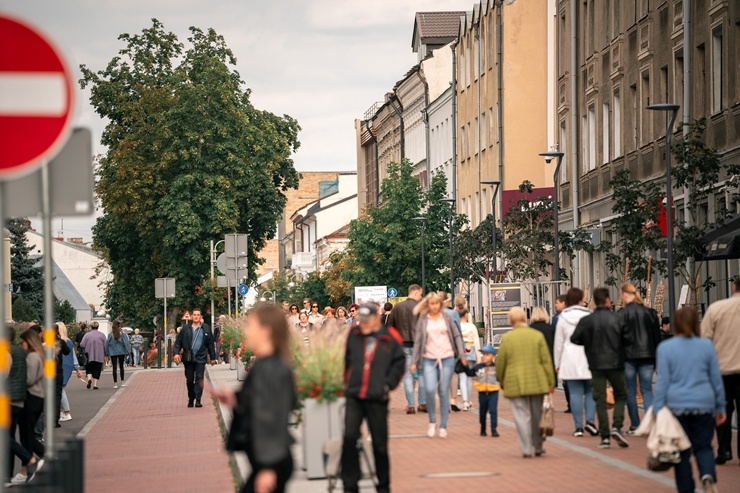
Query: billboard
{"points": [[503, 298], [376, 294]]}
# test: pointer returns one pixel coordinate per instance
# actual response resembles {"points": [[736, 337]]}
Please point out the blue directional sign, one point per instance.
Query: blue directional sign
{"points": [[243, 289], [392, 292]]}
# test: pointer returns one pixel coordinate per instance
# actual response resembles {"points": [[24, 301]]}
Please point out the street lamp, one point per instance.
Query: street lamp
{"points": [[673, 109], [263, 299], [452, 273], [423, 221], [549, 156], [496, 185]]}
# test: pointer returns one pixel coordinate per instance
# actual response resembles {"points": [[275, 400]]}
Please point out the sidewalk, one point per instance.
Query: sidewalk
{"points": [[145, 439]]}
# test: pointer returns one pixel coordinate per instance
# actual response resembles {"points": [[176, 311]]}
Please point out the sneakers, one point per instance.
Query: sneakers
{"points": [[115, 385], [631, 430], [578, 432], [66, 417], [123, 384], [708, 484], [605, 443], [442, 433], [431, 430], [410, 410], [591, 429], [619, 438], [19, 479]]}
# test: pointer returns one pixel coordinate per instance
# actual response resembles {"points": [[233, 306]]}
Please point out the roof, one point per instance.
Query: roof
{"points": [[436, 27], [65, 290]]}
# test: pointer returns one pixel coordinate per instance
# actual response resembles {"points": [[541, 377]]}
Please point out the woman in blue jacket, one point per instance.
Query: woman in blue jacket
{"points": [[69, 364], [117, 347], [689, 383]]}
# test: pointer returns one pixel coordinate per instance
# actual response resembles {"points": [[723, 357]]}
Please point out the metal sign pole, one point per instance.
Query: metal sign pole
{"points": [[213, 305], [4, 354], [50, 370]]}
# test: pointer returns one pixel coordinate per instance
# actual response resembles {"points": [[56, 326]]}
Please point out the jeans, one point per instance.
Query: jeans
{"points": [[700, 430], [437, 378], [65, 400], [376, 413], [32, 410], [731, 383], [194, 379], [527, 411], [137, 355], [598, 382], [408, 381], [643, 371], [580, 391], [488, 402], [466, 386]]}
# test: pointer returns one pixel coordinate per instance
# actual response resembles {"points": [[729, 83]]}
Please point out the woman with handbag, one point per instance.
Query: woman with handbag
{"points": [[524, 369], [437, 345], [263, 406]]}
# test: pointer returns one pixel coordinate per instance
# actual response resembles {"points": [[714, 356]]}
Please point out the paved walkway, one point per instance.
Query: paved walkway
{"points": [[147, 440]]}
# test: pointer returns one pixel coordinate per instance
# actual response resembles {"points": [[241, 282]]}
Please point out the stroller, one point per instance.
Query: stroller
{"points": [[332, 451]]}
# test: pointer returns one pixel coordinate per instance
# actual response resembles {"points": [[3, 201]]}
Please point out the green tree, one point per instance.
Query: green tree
{"points": [[698, 170], [386, 242], [26, 274], [474, 253], [64, 312], [335, 280], [635, 234], [23, 311], [189, 159], [280, 286], [313, 288]]}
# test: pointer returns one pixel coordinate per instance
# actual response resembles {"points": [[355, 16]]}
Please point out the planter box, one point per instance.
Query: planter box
{"points": [[321, 422], [232, 363], [241, 371]]}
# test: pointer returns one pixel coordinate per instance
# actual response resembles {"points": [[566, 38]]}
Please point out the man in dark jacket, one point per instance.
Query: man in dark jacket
{"points": [[604, 337], [402, 318], [193, 346], [643, 327], [373, 366]]}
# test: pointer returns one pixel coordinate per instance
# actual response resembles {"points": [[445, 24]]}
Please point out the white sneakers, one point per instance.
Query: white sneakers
{"points": [[442, 433], [65, 417], [432, 429], [123, 384], [115, 385], [19, 479]]}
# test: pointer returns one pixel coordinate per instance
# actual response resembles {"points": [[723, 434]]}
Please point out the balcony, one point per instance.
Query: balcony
{"points": [[304, 262]]}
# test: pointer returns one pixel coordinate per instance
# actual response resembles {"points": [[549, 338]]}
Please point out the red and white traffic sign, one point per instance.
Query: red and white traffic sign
{"points": [[36, 98]]}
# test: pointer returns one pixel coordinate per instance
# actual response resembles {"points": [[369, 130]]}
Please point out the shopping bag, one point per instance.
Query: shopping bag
{"points": [[547, 420]]}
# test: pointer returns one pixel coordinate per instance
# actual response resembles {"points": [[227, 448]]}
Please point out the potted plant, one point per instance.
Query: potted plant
{"points": [[319, 374], [231, 340]]}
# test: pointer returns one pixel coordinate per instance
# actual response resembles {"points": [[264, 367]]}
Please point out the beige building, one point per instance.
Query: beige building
{"points": [[502, 123], [630, 55]]}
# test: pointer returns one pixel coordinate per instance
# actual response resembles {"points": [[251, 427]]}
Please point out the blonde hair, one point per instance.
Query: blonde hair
{"points": [[422, 308], [630, 288], [517, 317], [539, 314], [63, 333]]}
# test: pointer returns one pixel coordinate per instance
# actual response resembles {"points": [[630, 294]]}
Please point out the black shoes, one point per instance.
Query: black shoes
{"points": [[198, 404], [494, 433], [619, 438], [723, 457], [591, 429], [605, 443], [483, 431], [89, 384], [190, 402]]}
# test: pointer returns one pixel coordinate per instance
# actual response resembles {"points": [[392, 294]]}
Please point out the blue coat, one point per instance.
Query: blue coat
{"points": [[120, 347], [69, 361]]}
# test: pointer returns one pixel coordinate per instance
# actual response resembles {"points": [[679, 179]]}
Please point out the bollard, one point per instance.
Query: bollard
{"points": [[145, 356], [169, 353], [159, 355]]}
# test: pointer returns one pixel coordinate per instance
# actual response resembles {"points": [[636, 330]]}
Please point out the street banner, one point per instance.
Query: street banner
{"points": [[504, 297], [376, 294]]}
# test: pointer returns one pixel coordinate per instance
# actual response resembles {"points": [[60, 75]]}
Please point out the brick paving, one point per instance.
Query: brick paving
{"points": [[149, 441]]}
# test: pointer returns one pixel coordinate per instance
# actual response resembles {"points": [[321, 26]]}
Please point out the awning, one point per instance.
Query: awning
{"points": [[723, 243]]}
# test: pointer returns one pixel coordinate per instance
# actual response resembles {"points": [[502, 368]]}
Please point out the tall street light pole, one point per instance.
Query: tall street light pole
{"points": [[549, 156], [423, 221], [673, 109], [494, 239], [452, 256]]}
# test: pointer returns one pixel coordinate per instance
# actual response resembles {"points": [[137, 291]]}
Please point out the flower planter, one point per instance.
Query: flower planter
{"points": [[321, 422], [233, 363], [241, 371]]}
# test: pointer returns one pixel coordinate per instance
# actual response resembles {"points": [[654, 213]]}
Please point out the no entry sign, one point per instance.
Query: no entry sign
{"points": [[36, 98]]}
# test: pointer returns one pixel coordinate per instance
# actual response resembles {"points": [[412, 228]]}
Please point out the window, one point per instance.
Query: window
{"points": [[605, 119], [646, 117], [491, 127], [483, 130], [617, 118], [663, 85], [469, 210], [476, 55], [467, 140], [461, 69], [591, 27], [607, 23], [584, 145], [476, 139], [700, 105], [489, 46], [562, 146], [464, 207], [462, 143], [467, 66], [563, 45], [615, 19], [632, 141], [591, 138], [717, 71], [643, 5], [678, 77], [477, 209], [484, 203]]}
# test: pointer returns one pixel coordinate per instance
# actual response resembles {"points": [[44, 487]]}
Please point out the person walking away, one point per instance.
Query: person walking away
{"points": [[403, 319], [93, 344], [540, 320], [604, 336], [559, 307], [386, 311], [471, 345], [437, 345], [643, 326], [720, 325], [69, 364], [690, 385], [117, 347], [265, 403], [373, 366], [487, 385], [195, 344], [34, 403], [524, 368], [137, 345], [60, 350], [572, 366]]}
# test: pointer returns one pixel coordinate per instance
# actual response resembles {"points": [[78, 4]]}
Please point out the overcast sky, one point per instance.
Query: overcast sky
{"points": [[324, 62]]}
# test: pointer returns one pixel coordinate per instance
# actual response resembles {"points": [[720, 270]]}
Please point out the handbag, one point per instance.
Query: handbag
{"points": [[547, 420], [609, 397]]}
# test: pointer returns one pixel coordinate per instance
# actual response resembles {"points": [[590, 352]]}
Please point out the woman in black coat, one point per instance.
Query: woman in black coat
{"points": [[541, 321]]}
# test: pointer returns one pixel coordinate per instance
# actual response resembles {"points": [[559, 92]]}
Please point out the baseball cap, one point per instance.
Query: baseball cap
{"points": [[367, 312], [488, 349]]}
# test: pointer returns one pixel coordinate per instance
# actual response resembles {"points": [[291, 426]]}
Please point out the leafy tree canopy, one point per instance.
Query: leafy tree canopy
{"points": [[23, 311], [26, 274], [189, 159]]}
